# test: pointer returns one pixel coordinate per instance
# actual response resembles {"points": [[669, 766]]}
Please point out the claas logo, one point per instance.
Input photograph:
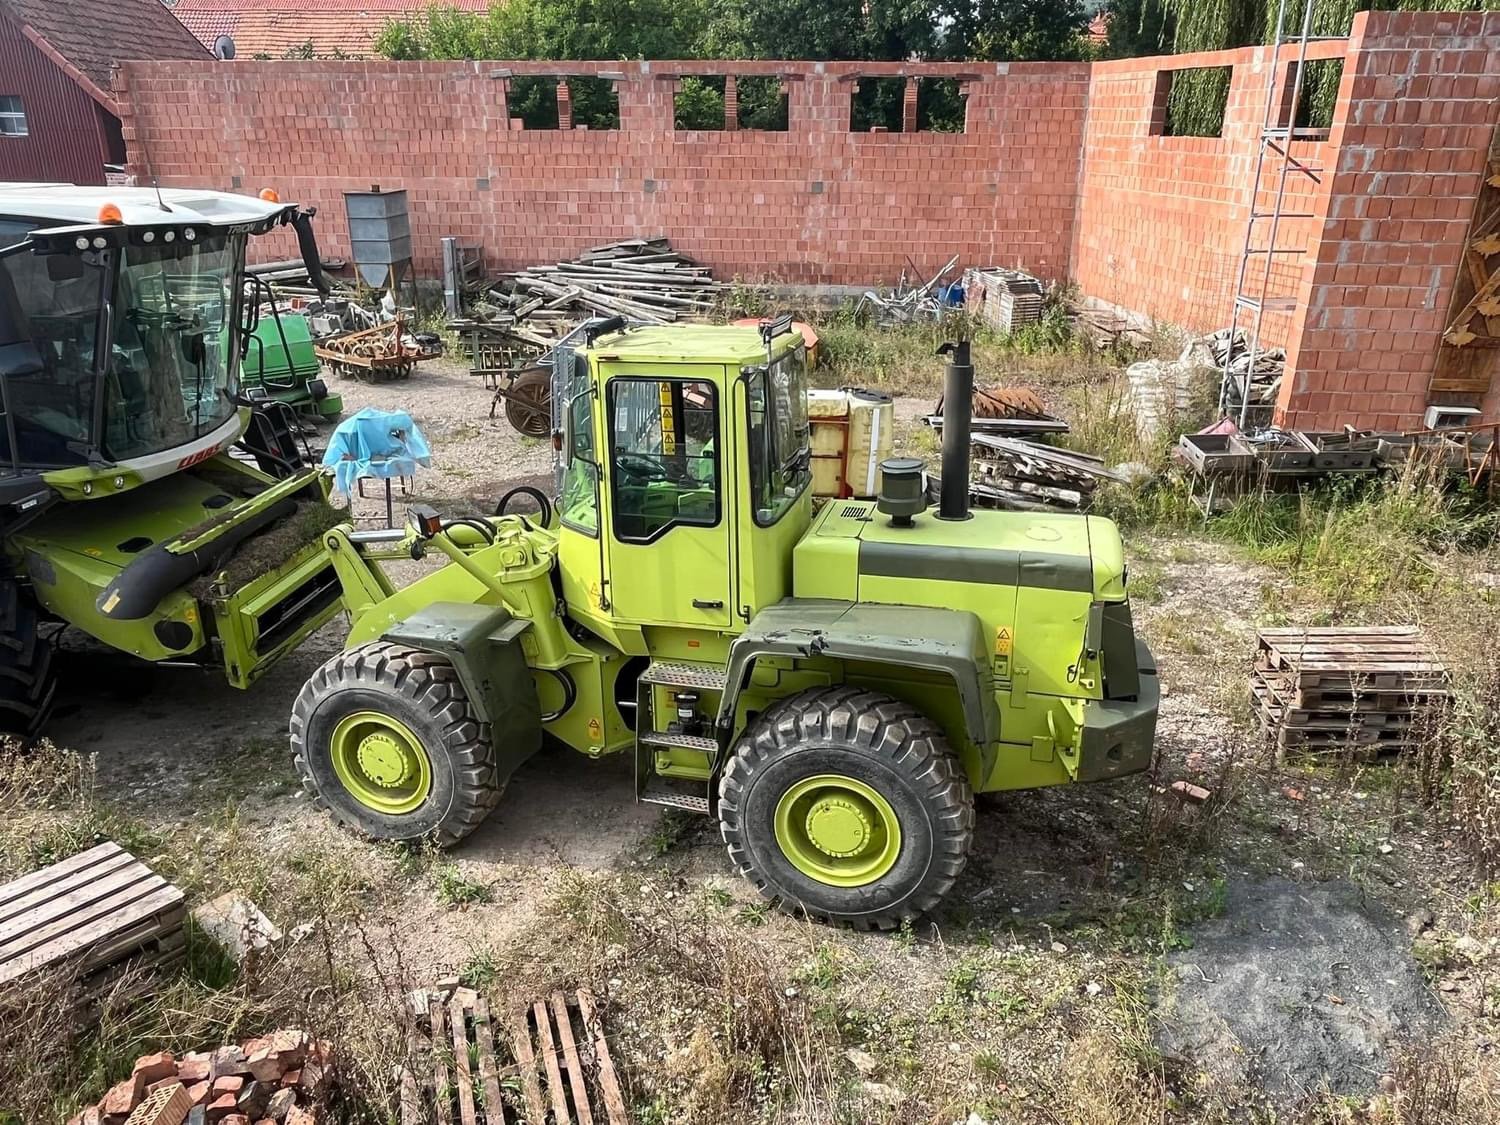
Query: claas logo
{"points": [[198, 458]]}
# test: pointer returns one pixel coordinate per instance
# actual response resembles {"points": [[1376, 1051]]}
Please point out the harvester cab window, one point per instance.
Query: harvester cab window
{"points": [[779, 435], [663, 453], [169, 376], [580, 488], [49, 317]]}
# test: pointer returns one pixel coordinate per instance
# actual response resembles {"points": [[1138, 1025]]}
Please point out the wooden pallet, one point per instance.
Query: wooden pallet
{"points": [[1350, 697], [97, 915], [1382, 658], [1406, 713], [547, 1063]]}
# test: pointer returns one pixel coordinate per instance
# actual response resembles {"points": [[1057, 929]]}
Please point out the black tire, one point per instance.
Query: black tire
{"points": [[528, 405], [28, 684], [422, 690], [879, 741]]}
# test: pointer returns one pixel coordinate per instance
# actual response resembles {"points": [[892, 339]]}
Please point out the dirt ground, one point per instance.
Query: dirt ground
{"points": [[1269, 958]]}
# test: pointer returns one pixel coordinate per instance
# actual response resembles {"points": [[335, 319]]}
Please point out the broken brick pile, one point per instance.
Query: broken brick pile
{"points": [[279, 1078]]}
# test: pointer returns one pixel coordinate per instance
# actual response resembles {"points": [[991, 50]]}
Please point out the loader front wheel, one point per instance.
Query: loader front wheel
{"points": [[384, 737], [848, 806]]}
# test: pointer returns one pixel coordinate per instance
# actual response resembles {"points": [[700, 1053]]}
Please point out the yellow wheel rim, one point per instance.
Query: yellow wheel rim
{"points": [[838, 830], [381, 763]]}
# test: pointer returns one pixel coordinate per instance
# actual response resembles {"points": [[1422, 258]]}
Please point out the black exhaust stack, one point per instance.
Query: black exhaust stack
{"points": [[958, 413]]}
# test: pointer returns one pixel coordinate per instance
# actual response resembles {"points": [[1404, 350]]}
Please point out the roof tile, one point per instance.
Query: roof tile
{"points": [[276, 27], [93, 35]]}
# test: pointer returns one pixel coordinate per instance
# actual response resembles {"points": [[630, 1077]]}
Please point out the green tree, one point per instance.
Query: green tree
{"points": [[1011, 30], [1138, 27]]}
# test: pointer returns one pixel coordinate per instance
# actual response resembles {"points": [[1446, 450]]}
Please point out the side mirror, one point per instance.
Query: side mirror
{"points": [[193, 348], [64, 267]]}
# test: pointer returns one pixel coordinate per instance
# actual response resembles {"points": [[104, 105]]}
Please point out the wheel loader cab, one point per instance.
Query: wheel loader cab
{"points": [[685, 479]]}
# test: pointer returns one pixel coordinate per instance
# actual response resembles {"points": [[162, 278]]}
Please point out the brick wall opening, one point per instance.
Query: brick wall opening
{"points": [[1190, 102], [762, 103], [940, 105], [563, 102], [1315, 100], [877, 106], [698, 103]]}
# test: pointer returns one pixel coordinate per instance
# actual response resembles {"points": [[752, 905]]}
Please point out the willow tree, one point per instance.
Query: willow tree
{"points": [[1196, 103]]}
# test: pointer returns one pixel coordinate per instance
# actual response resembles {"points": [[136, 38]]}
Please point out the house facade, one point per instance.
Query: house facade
{"points": [[58, 118]]}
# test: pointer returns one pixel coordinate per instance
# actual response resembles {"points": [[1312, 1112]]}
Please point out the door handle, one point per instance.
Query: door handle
{"points": [[699, 603]]}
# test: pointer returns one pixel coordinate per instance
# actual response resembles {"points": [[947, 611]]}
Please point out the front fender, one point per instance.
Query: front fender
{"points": [[946, 641]]}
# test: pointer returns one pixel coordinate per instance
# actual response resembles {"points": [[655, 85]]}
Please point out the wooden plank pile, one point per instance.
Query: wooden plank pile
{"points": [[1029, 476], [281, 1078], [97, 917], [1372, 690], [641, 278], [546, 1061]]}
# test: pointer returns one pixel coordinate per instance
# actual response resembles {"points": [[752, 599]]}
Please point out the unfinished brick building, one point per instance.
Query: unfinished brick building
{"points": [[1063, 169]]}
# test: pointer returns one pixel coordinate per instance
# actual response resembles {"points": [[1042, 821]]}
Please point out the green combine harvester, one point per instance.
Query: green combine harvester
{"points": [[143, 498], [832, 685]]}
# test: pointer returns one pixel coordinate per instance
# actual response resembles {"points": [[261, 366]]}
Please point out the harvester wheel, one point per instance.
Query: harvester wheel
{"points": [[27, 684], [385, 737], [848, 806]]}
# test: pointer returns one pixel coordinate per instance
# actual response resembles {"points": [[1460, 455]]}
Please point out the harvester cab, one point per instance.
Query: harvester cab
{"points": [[123, 322], [832, 685]]}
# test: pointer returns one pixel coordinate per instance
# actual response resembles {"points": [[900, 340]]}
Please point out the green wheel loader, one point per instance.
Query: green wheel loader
{"points": [[143, 499], [833, 686]]}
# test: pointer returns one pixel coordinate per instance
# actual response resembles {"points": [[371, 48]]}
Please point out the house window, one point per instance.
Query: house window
{"points": [[12, 116]]}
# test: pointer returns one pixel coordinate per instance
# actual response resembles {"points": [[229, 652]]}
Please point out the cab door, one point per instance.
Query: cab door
{"points": [[669, 559]]}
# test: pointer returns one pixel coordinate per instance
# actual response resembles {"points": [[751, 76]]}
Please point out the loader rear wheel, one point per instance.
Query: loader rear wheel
{"points": [[386, 739], [27, 682], [848, 806]]}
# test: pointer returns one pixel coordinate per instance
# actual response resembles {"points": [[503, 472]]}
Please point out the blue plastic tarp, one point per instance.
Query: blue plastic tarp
{"points": [[383, 444]]}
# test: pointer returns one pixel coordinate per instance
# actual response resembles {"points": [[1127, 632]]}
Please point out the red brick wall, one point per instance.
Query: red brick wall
{"points": [[1418, 105], [1058, 171], [1162, 219], [813, 204]]}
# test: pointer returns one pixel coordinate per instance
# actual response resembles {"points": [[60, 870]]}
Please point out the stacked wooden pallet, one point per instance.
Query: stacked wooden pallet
{"points": [[546, 1061], [1371, 689], [1027, 475], [95, 916]]}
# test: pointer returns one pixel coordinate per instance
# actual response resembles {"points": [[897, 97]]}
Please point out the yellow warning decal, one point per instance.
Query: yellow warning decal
{"points": [[1002, 641], [596, 732]]}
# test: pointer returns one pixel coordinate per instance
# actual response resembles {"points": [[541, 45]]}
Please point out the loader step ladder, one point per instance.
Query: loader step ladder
{"points": [[707, 679]]}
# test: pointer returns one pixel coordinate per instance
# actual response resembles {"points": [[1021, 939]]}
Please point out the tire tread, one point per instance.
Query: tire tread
{"points": [[890, 730]]}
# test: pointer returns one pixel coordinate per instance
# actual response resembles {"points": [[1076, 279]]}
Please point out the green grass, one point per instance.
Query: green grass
{"points": [[903, 359], [454, 888], [668, 831]]}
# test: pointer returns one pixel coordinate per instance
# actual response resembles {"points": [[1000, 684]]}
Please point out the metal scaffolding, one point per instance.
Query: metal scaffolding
{"points": [[1275, 166]]}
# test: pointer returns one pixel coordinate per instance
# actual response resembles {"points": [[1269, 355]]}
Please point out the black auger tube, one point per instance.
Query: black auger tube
{"points": [[307, 245], [958, 411], [137, 590]]}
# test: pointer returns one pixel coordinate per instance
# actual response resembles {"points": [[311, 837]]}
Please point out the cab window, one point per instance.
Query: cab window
{"points": [[780, 465], [663, 456], [579, 507], [49, 317]]}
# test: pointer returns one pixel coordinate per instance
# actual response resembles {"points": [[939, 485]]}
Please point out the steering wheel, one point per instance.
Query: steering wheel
{"points": [[643, 468], [544, 505]]}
